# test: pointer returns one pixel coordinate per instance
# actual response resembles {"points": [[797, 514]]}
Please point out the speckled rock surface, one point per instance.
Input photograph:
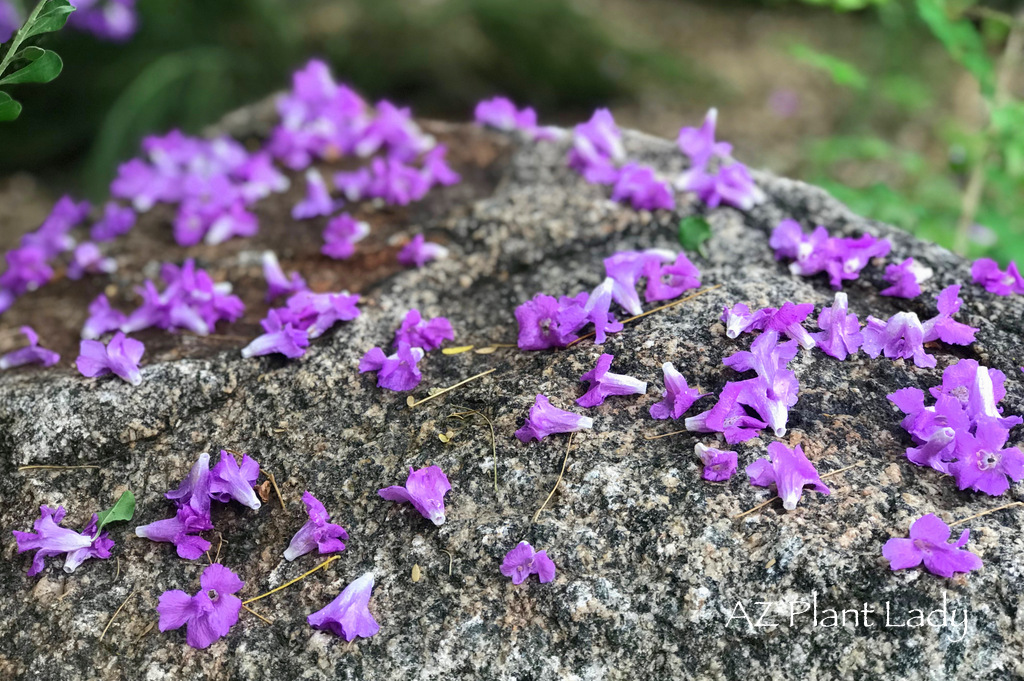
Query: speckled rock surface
{"points": [[651, 565]]}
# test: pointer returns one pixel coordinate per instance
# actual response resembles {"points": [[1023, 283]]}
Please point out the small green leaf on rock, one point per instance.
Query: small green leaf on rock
{"points": [[693, 232], [124, 509], [43, 66], [10, 109]]}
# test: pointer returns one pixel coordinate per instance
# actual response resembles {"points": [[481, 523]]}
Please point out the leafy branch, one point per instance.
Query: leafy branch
{"points": [[32, 64]]}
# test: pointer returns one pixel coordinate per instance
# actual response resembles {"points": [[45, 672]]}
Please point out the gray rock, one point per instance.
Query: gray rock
{"points": [[652, 569]]}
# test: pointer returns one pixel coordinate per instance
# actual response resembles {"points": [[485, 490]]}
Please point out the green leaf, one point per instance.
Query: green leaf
{"points": [[9, 108], [843, 72], [693, 232], [124, 509], [52, 18], [961, 40], [43, 66]]}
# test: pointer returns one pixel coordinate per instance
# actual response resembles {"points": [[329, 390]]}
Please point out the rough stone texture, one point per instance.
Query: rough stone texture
{"points": [[650, 562]]}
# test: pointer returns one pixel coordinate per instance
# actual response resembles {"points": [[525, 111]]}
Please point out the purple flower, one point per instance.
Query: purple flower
{"points": [[788, 319], [259, 177], [208, 615], [625, 268], [229, 481], [425, 490], [604, 383], [906, 279], [544, 323], [33, 354], [942, 326], [9, 20], [318, 198], [667, 281], [731, 185], [102, 318], [121, 357], [396, 372], [427, 334], [840, 334], [394, 129], [182, 530], [341, 235], [677, 396], [87, 258], [355, 185], [640, 186], [597, 148], [545, 420], [50, 539], [501, 113], [318, 312], [597, 310], [987, 465], [194, 490], [977, 389], [419, 252], [348, 615], [929, 544], [116, 220], [113, 20], [317, 533], [191, 300], [523, 561], [841, 258], [789, 470], [699, 143], [719, 465], [986, 272], [900, 337], [936, 430], [230, 222], [278, 283], [436, 170], [739, 319], [397, 182], [280, 337], [728, 416]]}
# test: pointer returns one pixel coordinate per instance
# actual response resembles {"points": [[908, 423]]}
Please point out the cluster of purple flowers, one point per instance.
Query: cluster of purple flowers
{"points": [[413, 339], [770, 394], [964, 433], [306, 315], [501, 113], [842, 258], [50, 539], [715, 177], [111, 20], [546, 322], [986, 272], [228, 480], [597, 154], [214, 182]]}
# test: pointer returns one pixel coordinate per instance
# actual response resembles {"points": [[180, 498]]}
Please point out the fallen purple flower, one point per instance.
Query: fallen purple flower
{"points": [[318, 533], [677, 396], [278, 283], [789, 470], [117, 220], [545, 420], [603, 383], [425, 490], [901, 337], [87, 259], [210, 614], [229, 480], [341, 235], [318, 199], [182, 530], [279, 337], [929, 544], [50, 539], [906, 279], [426, 334], [840, 334], [739, 319], [120, 356], [942, 326], [32, 354], [719, 465], [348, 615], [523, 561], [986, 272], [396, 372], [419, 252]]}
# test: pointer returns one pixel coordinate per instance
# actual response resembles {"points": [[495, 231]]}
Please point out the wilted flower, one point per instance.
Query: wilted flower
{"points": [[677, 397], [348, 615], [523, 561], [545, 420], [719, 465], [906, 279], [425, 490], [789, 470], [986, 272], [840, 334], [396, 372], [50, 539], [929, 544], [317, 533]]}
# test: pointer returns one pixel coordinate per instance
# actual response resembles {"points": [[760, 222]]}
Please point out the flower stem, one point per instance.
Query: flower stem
{"points": [[19, 37]]}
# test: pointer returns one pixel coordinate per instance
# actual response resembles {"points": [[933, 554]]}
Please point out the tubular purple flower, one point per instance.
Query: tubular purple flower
{"points": [[426, 334], [840, 334], [280, 337], [278, 283], [194, 490], [543, 323], [942, 326], [318, 312], [32, 354], [318, 199], [906, 279], [210, 614], [665, 282], [229, 481], [597, 148], [396, 372], [902, 336], [604, 383], [789, 320], [348, 615], [986, 272], [719, 465], [642, 188], [677, 396], [739, 319], [929, 544], [545, 420], [230, 222], [789, 470], [699, 143], [419, 252], [182, 530], [102, 318], [121, 357], [987, 465], [523, 561], [425, 490], [596, 310], [50, 539], [341, 235], [727, 416], [317, 533], [500, 113], [87, 259]]}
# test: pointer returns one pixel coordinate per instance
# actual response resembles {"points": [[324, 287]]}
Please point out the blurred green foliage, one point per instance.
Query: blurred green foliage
{"points": [[194, 60]]}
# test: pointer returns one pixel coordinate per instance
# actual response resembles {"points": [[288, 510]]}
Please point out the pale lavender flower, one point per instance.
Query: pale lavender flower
{"points": [[120, 356], [789, 470], [638, 185], [348, 615], [986, 272], [929, 544], [902, 336], [32, 354], [942, 326], [182, 530], [116, 221], [523, 561], [425, 490], [229, 480], [396, 372], [102, 318], [279, 337], [50, 539], [278, 283], [426, 334], [719, 465], [739, 319], [603, 383], [986, 464], [840, 334], [501, 113], [699, 143], [318, 199], [677, 396], [667, 281], [210, 614], [545, 420], [341, 235], [419, 252], [318, 533], [906, 279], [788, 319], [87, 259]]}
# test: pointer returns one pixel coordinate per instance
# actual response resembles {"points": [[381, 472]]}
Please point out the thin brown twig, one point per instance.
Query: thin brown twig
{"points": [[52, 468], [253, 612], [494, 445], [658, 437], [650, 312], [762, 505], [116, 613], [411, 403], [562, 473], [273, 482], [292, 581], [984, 513], [451, 559]]}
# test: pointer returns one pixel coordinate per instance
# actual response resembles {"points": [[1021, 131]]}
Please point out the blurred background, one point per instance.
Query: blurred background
{"points": [[900, 107]]}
